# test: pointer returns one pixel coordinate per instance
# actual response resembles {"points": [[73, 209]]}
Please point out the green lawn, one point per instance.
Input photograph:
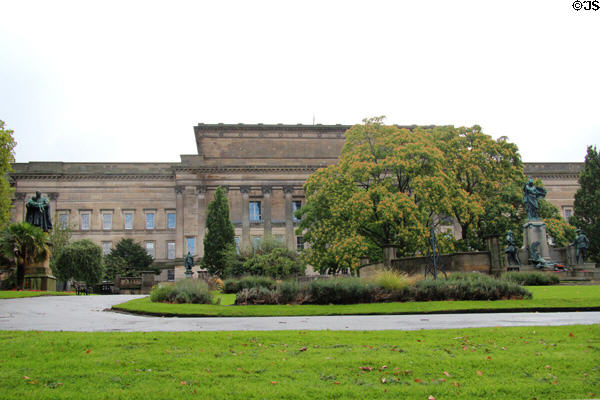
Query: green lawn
{"points": [[544, 297], [13, 294], [485, 363]]}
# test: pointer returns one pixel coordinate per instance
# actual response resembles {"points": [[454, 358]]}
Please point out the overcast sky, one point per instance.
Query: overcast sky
{"points": [[128, 80]]}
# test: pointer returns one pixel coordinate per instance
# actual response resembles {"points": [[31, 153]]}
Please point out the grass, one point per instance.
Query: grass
{"points": [[484, 363], [14, 294], [544, 297]]}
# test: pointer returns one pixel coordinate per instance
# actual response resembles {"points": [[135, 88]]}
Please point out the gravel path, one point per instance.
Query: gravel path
{"points": [[86, 314]]}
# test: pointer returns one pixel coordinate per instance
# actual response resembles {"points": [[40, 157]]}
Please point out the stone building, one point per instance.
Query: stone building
{"points": [[163, 205]]}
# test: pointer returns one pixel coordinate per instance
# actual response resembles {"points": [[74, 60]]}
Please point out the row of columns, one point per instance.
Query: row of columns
{"points": [[195, 198], [268, 227]]}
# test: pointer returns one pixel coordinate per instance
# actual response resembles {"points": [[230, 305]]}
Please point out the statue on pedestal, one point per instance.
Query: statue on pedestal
{"points": [[531, 195], [512, 252], [581, 243], [38, 212], [189, 263]]}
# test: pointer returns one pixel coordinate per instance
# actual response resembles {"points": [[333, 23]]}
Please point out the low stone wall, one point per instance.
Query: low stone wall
{"points": [[465, 262], [479, 261], [135, 284]]}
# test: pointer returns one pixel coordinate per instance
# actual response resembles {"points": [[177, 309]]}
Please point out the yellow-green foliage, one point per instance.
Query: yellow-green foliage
{"points": [[392, 280], [7, 156]]}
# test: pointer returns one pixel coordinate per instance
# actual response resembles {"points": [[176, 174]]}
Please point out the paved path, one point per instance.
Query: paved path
{"points": [[85, 314]]}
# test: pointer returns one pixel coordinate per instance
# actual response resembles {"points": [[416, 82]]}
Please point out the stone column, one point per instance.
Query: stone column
{"points": [[267, 209], [180, 238], [53, 196], [289, 221], [497, 256], [20, 206], [245, 190], [201, 192]]}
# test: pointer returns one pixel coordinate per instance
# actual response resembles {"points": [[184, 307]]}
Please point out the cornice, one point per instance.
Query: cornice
{"points": [[92, 176], [251, 169], [575, 177]]}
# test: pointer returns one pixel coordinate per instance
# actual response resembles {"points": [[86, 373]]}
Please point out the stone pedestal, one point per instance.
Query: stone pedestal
{"points": [[39, 276], [535, 231], [188, 274]]}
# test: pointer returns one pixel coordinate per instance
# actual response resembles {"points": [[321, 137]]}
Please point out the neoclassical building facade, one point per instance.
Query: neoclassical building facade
{"points": [[163, 205]]}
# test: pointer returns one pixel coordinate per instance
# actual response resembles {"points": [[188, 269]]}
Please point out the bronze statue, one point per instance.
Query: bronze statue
{"points": [[189, 262], [38, 212], [512, 251], [582, 243], [531, 195]]}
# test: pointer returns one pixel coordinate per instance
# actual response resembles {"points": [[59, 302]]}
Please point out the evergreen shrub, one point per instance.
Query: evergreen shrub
{"points": [[234, 285], [531, 278], [192, 291]]}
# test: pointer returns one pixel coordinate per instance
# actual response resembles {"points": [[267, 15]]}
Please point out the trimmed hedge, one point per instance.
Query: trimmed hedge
{"points": [[531, 278], [348, 290]]}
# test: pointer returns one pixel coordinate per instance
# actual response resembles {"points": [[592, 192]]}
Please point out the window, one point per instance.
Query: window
{"points": [[63, 221], [255, 211], [107, 221], [149, 220], [85, 221], [128, 220], [296, 204], [256, 242], [299, 243], [171, 224], [190, 245], [568, 212], [171, 250], [106, 247], [150, 249], [170, 275], [237, 244]]}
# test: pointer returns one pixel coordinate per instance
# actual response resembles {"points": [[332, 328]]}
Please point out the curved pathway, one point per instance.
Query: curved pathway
{"points": [[86, 314]]}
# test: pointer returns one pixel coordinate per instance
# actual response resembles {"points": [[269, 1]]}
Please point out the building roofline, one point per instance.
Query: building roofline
{"points": [[290, 127]]}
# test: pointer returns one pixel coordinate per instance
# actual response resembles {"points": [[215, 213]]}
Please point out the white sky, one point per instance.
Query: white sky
{"points": [[128, 80]]}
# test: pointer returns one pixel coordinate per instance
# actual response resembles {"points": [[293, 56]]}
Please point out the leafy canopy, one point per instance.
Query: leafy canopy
{"points": [[25, 244], [390, 183], [384, 189], [587, 202], [220, 235], [7, 156], [128, 258], [80, 260]]}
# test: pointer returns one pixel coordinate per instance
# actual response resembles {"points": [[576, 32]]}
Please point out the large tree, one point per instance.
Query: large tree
{"points": [[490, 174], [587, 202], [24, 244], [128, 258], [220, 235], [7, 156], [384, 190], [81, 261]]}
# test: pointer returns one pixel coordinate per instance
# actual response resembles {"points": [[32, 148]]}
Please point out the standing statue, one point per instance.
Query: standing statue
{"points": [[189, 263], [38, 212], [512, 251], [531, 194], [582, 243]]}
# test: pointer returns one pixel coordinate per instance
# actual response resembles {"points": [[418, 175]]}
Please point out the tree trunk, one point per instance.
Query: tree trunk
{"points": [[20, 276]]}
